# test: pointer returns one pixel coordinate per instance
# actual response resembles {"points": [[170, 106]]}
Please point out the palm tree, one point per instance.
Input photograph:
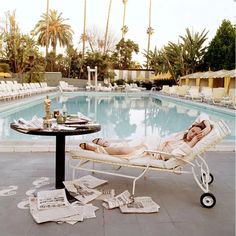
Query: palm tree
{"points": [[13, 33], [193, 49], [173, 59], [179, 58], [20, 50], [1, 45], [122, 56], [124, 28], [58, 31]]}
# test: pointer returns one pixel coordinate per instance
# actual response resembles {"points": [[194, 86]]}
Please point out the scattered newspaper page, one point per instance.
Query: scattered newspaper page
{"points": [[81, 192], [120, 200], [75, 218], [140, 205], [106, 194], [33, 124], [71, 219], [90, 181], [52, 199], [88, 210], [62, 127], [51, 214]]}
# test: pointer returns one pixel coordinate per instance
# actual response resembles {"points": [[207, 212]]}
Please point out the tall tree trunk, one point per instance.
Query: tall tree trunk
{"points": [[149, 31], [54, 47], [124, 30], [107, 25], [47, 28], [84, 29]]}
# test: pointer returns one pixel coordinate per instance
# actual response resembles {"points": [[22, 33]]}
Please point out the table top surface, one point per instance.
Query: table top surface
{"points": [[84, 129]]}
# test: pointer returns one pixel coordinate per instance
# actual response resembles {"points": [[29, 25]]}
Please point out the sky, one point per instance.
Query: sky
{"points": [[170, 18]]}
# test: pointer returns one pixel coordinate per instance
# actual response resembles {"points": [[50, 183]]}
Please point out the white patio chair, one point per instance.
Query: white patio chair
{"points": [[165, 89], [194, 93], [181, 91], [230, 101], [217, 95], [206, 94], [65, 87]]}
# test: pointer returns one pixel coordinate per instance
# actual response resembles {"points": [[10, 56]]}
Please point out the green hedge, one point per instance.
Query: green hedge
{"points": [[4, 67]]}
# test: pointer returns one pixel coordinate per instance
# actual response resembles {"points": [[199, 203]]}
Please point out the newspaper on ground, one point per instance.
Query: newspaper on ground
{"points": [[52, 199], [88, 210], [106, 194], [50, 214], [80, 191], [140, 205], [90, 181], [71, 219], [75, 218], [120, 200]]}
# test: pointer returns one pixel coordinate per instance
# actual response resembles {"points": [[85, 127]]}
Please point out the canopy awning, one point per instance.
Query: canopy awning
{"points": [[5, 75], [211, 74]]}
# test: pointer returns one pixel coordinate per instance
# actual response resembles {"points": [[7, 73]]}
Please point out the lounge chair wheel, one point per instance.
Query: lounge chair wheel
{"points": [[211, 178], [208, 200]]}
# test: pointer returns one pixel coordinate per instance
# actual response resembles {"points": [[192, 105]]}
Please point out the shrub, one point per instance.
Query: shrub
{"points": [[4, 67]]}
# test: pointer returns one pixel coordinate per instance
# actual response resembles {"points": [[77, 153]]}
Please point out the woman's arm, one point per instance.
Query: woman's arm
{"points": [[206, 130], [194, 140]]}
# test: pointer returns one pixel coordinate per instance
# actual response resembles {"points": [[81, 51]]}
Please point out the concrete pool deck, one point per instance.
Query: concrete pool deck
{"points": [[180, 214]]}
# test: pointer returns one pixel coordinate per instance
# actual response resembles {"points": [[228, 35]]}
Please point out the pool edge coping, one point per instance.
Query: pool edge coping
{"points": [[45, 146]]}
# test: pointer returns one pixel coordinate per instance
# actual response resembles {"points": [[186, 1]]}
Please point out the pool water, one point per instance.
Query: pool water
{"points": [[124, 116]]}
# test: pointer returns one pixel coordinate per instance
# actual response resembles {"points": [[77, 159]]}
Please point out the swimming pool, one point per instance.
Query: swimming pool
{"points": [[121, 115]]}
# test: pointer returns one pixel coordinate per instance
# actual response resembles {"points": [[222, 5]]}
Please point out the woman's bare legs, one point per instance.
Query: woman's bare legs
{"points": [[121, 150]]}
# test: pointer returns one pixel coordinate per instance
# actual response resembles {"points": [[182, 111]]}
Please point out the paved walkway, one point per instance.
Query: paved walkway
{"points": [[178, 196]]}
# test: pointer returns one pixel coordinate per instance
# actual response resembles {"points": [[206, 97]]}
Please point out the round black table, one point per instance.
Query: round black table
{"points": [[60, 145]]}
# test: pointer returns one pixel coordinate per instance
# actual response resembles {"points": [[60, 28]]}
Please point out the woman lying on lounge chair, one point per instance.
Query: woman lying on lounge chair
{"points": [[179, 144]]}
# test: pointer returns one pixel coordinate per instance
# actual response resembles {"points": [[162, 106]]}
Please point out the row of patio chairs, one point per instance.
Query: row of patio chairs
{"points": [[214, 96], [65, 87], [12, 89], [133, 87], [102, 88]]}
